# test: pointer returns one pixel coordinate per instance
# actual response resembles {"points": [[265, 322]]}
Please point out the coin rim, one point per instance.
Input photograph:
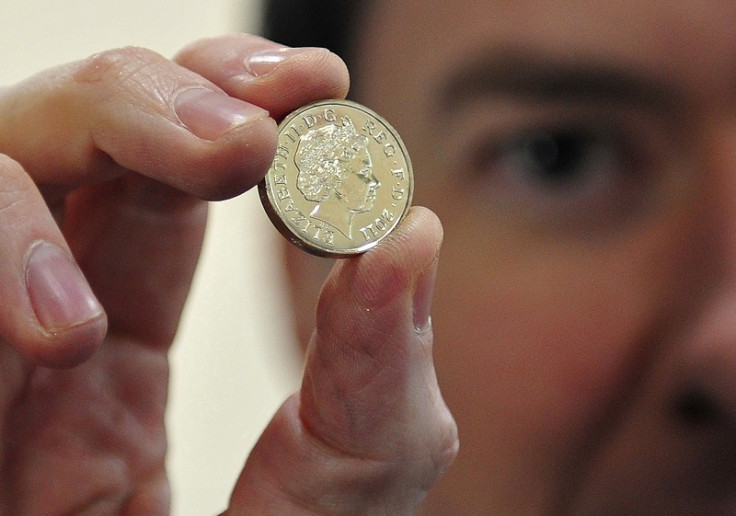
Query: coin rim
{"points": [[268, 201]]}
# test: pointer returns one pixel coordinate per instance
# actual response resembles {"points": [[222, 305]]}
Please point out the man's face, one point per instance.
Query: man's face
{"points": [[582, 158]]}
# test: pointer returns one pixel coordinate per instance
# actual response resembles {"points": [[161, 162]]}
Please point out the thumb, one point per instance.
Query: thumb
{"points": [[368, 432]]}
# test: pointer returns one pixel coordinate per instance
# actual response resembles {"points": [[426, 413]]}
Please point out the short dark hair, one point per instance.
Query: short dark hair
{"points": [[313, 23]]}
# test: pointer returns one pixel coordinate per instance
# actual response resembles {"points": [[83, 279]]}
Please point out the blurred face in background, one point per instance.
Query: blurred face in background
{"points": [[582, 159]]}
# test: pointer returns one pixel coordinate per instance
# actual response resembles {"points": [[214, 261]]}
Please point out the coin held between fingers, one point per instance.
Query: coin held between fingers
{"points": [[341, 180]]}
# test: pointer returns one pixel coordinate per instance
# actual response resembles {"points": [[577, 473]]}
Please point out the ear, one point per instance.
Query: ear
{"points": [[306, 274]]}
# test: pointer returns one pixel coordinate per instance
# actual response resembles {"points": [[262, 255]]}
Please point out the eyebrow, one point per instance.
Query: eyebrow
{"points": [[530, 76]]}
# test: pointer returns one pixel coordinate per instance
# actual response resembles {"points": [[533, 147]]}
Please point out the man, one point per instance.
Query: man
{"points": [[581, 157]]}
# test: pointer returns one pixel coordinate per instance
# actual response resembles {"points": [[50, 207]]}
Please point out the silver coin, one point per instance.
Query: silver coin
{"points": [[341, 180]]}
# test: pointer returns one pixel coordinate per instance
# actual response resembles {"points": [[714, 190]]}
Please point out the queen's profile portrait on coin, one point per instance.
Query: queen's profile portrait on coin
{"points": [[336, 173], [341, 179]]}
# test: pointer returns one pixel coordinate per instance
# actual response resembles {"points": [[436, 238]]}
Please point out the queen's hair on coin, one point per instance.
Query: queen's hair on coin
{"points": [[341, 179]]}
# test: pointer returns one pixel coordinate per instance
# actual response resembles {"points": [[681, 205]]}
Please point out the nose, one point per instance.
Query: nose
{"points": [[674, 445], [372, 180], [706, 341], [691, 397], [678, 441]]}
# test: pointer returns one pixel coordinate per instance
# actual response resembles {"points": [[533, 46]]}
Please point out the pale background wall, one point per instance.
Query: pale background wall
{"points": [[231, 367]]}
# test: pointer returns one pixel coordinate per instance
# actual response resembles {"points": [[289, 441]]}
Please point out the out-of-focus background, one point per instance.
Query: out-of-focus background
{"points": [[232, 363]]}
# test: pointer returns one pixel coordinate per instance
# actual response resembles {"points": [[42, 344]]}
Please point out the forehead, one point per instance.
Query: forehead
{"points": [[549, 20], [684, 40]]}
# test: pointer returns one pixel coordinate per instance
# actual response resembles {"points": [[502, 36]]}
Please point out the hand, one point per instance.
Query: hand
{"points": [[122, 150], [368, 432]]}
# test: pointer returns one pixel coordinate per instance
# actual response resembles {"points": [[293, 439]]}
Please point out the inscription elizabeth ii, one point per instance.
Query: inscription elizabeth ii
{"points": [[341, 179]]}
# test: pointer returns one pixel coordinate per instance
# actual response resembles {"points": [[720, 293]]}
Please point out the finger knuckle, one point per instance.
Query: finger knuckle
{"points": [[115, 65], [442, 448], [448, 445]]}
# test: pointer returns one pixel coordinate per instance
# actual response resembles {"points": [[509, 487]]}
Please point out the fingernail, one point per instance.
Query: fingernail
{"points": [[262, 63], [209, 114], [423, 293], [59, 293]]}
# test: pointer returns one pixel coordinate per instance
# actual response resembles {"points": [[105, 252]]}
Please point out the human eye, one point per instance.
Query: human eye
{"points": [[557, 159], [571, 172]]}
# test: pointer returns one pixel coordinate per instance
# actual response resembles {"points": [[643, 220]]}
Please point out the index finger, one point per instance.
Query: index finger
{"points": [[132, 109], [275, 77]]}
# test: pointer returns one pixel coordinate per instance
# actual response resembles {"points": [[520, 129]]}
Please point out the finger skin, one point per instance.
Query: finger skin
{"points": [[110, 148], [104, 141], [318, 73], [118, 111], [26, 225], [368, 432], [138, 242], [115, 112]]}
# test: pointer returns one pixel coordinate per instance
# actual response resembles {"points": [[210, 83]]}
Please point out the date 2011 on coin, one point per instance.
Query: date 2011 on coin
{"points": [[341, 179]]}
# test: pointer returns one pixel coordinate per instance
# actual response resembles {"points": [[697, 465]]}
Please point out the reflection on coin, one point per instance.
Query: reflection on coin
{"points": [[341, 180]]}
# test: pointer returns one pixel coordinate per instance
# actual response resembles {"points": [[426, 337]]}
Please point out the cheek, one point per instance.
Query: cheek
{"points": [[536, 339]]}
